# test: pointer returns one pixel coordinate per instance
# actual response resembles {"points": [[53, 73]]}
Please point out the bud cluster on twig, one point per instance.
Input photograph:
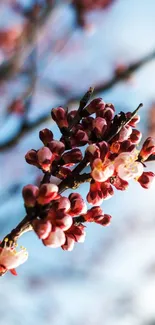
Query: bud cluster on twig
{"points": [[113, 158]]}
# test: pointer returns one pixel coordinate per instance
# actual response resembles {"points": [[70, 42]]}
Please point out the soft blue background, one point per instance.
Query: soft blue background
{"points": [[110, 279]]}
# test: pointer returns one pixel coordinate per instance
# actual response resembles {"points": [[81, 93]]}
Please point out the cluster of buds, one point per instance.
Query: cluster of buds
{"points": [[113, 158]]}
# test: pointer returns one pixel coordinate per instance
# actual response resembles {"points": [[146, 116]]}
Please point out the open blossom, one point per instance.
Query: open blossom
{"points": [[10, 258], [127, 167], [102, 170]]}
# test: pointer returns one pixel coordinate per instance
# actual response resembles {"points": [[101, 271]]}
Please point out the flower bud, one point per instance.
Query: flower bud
{"points": [[146, 179], [69, 244], [56, 147], [107, 113], [47, 193], [31, 157], [104, 220], [55, 239], [77, 233], [119, 183], [95, 105], [80, 138], [63, 172], [104, 149], [63, 220], [62, 204], [127, 146], [99, 126], [92, 152], [42, 228], [135, 136], [95, 195], [94, 214], [46, 136], [107, 190], [78, 205], [71, 116], [72, 156], [45, 158], [30, 193], [148, 148], [59, 115]]}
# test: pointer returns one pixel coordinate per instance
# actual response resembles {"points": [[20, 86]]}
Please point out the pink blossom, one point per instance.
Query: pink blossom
{"points": [[127, 167], [10, 258], [102, 170]]}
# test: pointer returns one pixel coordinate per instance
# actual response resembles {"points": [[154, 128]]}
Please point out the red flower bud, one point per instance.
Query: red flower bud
{"points": [[80, 138], [62, 204], [42, 228], [69, 244], [127, 146], [95, 105], [47, 193], [148, 148], [115, 147], [92, 152], [94, 214], [87, 123], [30, 193], [78, 205], [59, 115], [95, 195], [146, 179], [119, 183], [77, 233], [71, 116], [72, 156], [63, 172], [31, 157], [104, 220], [99, 126], [46, 136], [56, 147], [63, 220], [104, 149], [107, 113], [45, 158], [107, 190], [135, 136]]}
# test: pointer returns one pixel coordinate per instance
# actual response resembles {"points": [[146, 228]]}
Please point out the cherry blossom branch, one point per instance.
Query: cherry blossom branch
{"points": [[29, 126]]}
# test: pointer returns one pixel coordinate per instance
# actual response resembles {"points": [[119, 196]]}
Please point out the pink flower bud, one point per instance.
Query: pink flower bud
{"points": [[63, 220], [107, 190], [30, 193], [134, 120], [59, 115], [107, 113], [31, 157], [135, 136], [78, 205], [104, 149], [94, 214], [56, 147], [146, 179], [87, 124], [77, 233], [99, 126], [42, 228], [45, 158], [127, 146], [72, 156], [55, 239], [80, 138], [148, 148], [119, 183], [92, 152], [69, 244], [125, 133], [104, 220], [47, 193], [62, 204], [46, 136], [95, 105], [95, 195]]}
